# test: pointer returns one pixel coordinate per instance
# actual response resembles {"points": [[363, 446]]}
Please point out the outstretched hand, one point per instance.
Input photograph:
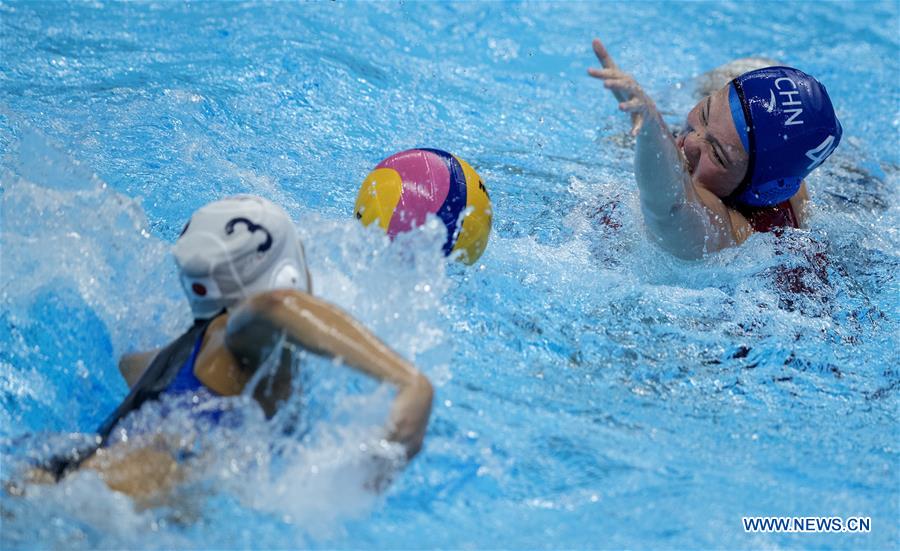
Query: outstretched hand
{"points": [[632, 98]]}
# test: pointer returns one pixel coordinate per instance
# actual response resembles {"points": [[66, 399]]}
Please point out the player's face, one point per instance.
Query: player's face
{"points": [[713, 152]]}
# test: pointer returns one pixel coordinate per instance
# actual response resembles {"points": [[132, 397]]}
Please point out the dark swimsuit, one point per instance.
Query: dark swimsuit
{"points": [[797, 279], [185, 380], [772, 218], [170, 373]]}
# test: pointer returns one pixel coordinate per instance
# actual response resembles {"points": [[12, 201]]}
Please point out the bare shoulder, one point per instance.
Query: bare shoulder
{"points": [[800, 204], [740, 226], [735, 223], [257, 325], [228, 361], [217, 366]]}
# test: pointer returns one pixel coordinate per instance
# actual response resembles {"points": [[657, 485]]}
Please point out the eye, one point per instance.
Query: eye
{"points": [[714, 151]]}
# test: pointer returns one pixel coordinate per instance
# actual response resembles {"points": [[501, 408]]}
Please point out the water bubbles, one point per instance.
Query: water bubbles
{"points": [[577, 355]]}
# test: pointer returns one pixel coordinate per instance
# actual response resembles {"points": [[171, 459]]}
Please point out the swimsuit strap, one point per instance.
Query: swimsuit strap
{"points": [[156, 378], [185, 380]]}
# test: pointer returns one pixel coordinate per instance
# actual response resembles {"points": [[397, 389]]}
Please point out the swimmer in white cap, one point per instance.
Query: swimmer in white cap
{"points": [[244, 272]]}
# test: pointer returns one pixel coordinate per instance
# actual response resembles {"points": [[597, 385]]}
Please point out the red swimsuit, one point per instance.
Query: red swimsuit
{"points": [[772, 218], [808, 278]]}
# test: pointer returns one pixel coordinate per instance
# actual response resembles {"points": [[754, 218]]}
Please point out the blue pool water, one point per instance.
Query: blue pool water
{"points": [[591, 391]]}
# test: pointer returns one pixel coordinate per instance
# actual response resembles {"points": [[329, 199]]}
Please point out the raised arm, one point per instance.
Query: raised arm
{"points": [[685, 221], [326, 330]]}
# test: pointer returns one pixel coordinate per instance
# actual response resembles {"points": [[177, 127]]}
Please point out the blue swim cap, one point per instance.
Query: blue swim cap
{"points": [[788, 127]]}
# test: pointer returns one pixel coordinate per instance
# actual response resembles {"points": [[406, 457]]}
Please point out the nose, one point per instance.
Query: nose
{"points": [[691, 148]]}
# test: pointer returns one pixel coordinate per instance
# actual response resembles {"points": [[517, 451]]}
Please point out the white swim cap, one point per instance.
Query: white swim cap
{"points": [[237, 247]]}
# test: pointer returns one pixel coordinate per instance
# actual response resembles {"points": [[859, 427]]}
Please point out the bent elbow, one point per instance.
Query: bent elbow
{"points": [[676, 247], [685, 233], [423, 393], [426, 391]]}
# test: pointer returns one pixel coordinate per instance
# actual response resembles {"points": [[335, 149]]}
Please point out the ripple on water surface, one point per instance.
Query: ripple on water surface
{"points": [[591, 390]]}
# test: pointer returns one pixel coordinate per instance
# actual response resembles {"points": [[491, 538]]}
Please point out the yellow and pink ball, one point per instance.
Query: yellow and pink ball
{"points": [[405, 188]]}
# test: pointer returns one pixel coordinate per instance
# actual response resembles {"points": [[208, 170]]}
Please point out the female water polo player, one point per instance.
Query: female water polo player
{"points": [[244, 272], [737, 167]]}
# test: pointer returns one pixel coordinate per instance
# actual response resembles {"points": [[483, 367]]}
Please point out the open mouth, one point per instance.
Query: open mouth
{"points": [[679, 143]]}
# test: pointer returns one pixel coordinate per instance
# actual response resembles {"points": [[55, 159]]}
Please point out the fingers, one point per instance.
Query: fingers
{"points": [[605, 59], [637, 120], [634, 105], [613, 78], [622, 88], [621, 85], [605, 73], [639, 107]]}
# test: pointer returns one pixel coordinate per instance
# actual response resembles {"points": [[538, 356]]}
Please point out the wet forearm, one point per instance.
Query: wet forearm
{"points": [[409, 414], [326, 330], [663, 182]]}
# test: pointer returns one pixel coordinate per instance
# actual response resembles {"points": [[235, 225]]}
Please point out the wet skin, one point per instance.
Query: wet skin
{"points": [[684, 182], [713, 153]]}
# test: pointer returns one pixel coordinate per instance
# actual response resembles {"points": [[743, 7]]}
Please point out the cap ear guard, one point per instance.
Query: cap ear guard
{"points": [[293, 276], [287, 277], [769, 193], [204, 287]]}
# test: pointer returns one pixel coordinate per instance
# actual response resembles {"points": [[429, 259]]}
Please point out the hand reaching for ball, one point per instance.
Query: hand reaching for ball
{"points": [[632, 98]]}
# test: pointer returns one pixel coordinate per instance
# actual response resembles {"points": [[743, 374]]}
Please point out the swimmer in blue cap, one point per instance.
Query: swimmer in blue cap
{"points": [[244, 273], [739, 164]]}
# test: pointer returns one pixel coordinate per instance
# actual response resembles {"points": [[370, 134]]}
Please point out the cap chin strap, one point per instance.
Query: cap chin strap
{"points": [[309, 287], [748, 137]]}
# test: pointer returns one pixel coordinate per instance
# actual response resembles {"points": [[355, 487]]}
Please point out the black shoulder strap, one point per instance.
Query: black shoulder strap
{"points": [[157, 376], [155, 379]]}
